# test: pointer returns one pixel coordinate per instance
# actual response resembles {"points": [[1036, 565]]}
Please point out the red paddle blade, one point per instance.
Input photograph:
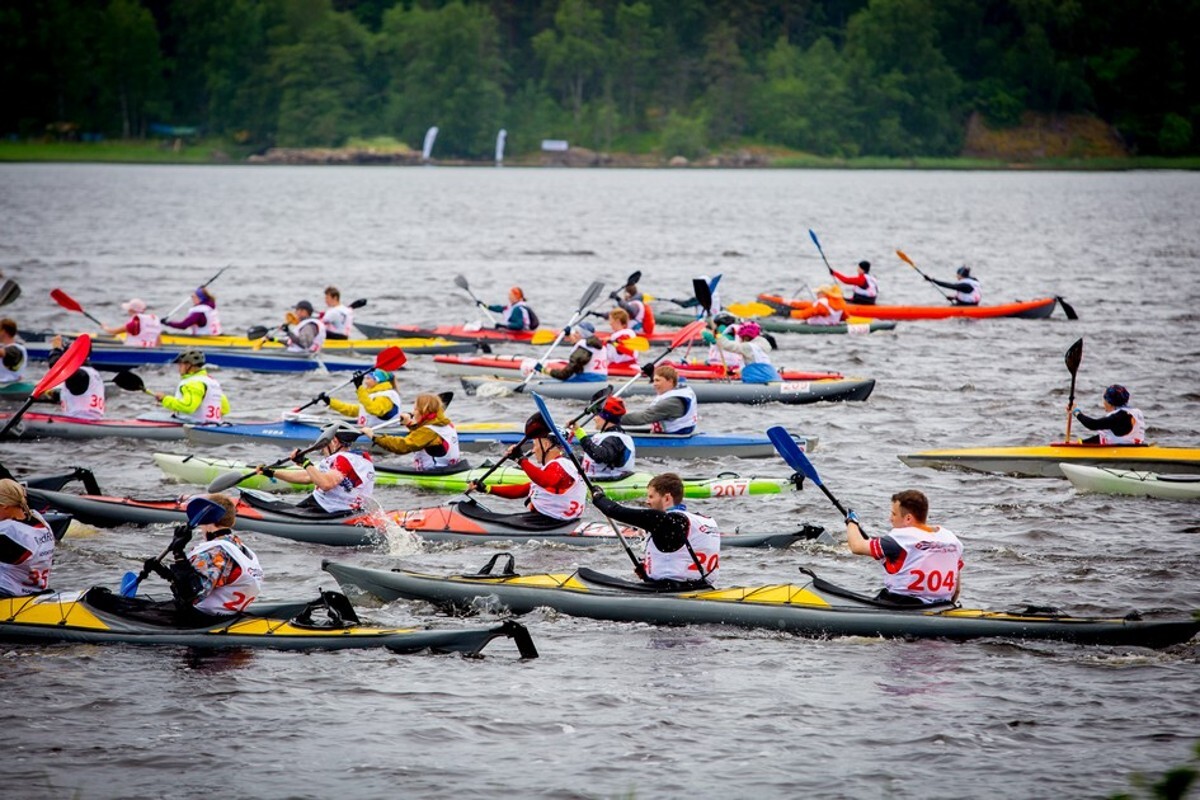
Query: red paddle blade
{"points": [[65, 300], [689, 332], [65, 367], [390, 358]]}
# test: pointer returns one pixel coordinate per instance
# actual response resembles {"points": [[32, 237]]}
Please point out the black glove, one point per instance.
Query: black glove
{"points": [[614, 295], [268, 472], [183, 535], [597, 493], [185, 582], [797, 479], [153, 565], [324, 398], [648, 371], [299, 458], [357, 380]]}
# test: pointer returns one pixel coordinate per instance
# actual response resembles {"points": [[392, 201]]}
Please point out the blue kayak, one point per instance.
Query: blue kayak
{"points": [[122, 357]]}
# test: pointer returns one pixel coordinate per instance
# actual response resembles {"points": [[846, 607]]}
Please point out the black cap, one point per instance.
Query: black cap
{"points": [[865, 266], [304, 305]]}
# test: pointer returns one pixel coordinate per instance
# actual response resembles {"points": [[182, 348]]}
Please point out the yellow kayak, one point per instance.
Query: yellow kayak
{"points": [[413, 345], [1043, 460]]}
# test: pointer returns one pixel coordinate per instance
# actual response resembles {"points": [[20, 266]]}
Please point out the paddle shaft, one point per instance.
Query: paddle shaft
{"points": [[175, 310], [461, 282], [904, 257], [812, 235], [589, 296]]}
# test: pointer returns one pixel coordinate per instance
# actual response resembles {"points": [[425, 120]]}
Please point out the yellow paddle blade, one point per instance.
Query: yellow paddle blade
{"points": [[904, 257], [648, 298], [752, 309], [543, 336], [639, 344]]}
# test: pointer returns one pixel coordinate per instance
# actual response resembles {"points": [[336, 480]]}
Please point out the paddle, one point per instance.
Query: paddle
{"points": [[461, 282], [556, 434], [71, 360], [1067, 308], [230, 479], [812, 235], [389, 358], [589, 296], [9, 291], [1073, 358], [175, 310], [750, 310], [794, 456], [904, 257], [130, 382], [201, 511], [66, 301], [704, 292], [535, 428]]}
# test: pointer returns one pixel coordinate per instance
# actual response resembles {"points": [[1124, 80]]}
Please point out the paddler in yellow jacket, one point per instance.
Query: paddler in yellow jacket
{"points": [[431, 437], [378, 399]]}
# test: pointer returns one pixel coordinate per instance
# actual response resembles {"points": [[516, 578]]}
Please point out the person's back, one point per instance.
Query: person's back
{"points": [[1121, 424], [26, 544]]}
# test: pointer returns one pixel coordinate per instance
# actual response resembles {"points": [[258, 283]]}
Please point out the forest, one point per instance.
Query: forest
{"points": [[840, 78]]}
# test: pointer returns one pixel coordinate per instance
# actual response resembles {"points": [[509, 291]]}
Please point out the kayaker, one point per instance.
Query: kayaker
{"points": [[555, 491], [431, 438], [752, 347], [723, 324], [608, 454], [673, 410], [82, 395], [586, 361], [306, 333], [682, 546], [1120, 424], [143, 329], [26, 544], [921, 562], [967, 290], [694, 302], [13, 358], [338, 319], [219, 576], [202, 318], [199, 397], [378, 399], [616, 351], [828, 309], [633, 303], [866, 288], [517, 315], [343, 480]]}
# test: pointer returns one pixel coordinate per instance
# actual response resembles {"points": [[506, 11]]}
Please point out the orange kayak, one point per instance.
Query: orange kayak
{"points": [[1041, 308]]}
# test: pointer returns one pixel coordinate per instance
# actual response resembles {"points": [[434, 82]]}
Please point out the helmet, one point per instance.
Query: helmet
{"points": [[193, 358], [346, 435], [963, 272], [586, 328], [865, 266], [304, 305], [749, 330], [380, 375], [724, 319], [612, 410], [1116, 395]]}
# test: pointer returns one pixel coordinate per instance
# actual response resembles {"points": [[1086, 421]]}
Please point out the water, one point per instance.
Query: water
{"points": [[610, 709]]}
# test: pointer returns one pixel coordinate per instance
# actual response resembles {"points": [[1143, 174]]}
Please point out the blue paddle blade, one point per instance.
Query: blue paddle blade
{"points": [[813, 235], [712, 285], [792, 454], [545, 412], [129, 584]]}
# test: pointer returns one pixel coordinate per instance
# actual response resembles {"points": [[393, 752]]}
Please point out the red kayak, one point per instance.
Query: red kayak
{"points": [[471, 333], [511, 365], [1041, 308]]}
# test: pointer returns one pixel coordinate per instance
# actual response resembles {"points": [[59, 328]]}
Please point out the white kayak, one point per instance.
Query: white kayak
{"points": [[1107, 480]]}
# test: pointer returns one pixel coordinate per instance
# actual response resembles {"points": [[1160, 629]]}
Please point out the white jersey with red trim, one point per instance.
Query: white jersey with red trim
{"points": [[597, 363], [212, 321], [972, 297], [567, 505], [32, 575], [683, 424], [705, 539], [423, 460], [149, 331], [338, 319], [89, 404], [357, 483], [928, 566], [594, 469], [366, 420], [1136, 435], [614, 356], [318, 339], [233, 597], [209, 410]]}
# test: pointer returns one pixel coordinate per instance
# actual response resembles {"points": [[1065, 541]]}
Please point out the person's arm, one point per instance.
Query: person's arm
{"points": [[851, 280], [741, 348], [344, 408], [668, 529], [224, 404], [551, 477], [611, 452], [513, 491], [215, 568], [303, 337], [1119, 422], [965, 288], [197, 318], [575, 363], [415, 440], [670, 408], [131, 328], [859, 544], [192, 395], [516, 319]]}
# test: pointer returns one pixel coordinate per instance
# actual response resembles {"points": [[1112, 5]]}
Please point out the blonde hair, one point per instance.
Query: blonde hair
{"points": [[427, 405], [668, 372], [620, 315]]}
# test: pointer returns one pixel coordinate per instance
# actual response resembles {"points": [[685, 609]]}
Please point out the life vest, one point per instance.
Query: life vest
{"points": [[869, 292], [718, 356], [566, 506], [527, 323], [705, 541], [354, 489], [596, 369], [370, 420], [338, 319], [929, 567], [212, 322], [828, 314], [209, 411], [89, 404], [683, 424], [970, 298], [594, 469], [149, 331], [233, 597], [616, 358], [1137, 433], [423, 459], [13, 375], [32, 575], [318, 340]]}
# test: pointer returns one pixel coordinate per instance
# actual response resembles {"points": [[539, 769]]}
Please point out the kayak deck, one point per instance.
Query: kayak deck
{"points": [[1042, 460], [1106, 480], [1040, 308]]}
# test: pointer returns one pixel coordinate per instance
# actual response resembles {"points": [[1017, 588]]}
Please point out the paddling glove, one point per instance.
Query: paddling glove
{"points": [[851, 516], [709, 338], [324, 398], [183, 535], [797, 478], [538, 367], [268, 472], [185, 582], [357, 380]]}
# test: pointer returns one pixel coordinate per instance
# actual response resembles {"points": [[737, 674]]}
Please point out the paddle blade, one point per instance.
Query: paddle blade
{"points": [[65, 367], [590, 295], [638, 344], [904, 257], [65, 300], [543, 336], [390, 358], [1067, 308], [129, 584], [447, 398], [257, 332], [461, 282], [787, 447], [9, 291], [687, 333], [129, 381], [703, 294], [548, 422], [1074, 357], [750, 310], [712, 283], [360, 303], [813, 235], [633, 278], [227, 480]]}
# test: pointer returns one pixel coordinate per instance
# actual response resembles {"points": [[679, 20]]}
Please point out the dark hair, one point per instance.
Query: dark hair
{"points": [[865, 266], [913, 502], [9, 326], [668, 483], [333, 292]]}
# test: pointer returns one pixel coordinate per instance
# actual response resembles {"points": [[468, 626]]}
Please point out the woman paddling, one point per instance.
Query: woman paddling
{"points": [[431, 437], [378, 399]]}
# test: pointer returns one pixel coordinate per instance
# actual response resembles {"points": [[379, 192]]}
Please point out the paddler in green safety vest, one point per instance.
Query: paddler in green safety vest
{"points": [[378, 399], [199, 397]]}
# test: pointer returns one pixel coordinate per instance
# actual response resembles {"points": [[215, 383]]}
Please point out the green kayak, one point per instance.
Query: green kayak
{"points": [[200, 471]]}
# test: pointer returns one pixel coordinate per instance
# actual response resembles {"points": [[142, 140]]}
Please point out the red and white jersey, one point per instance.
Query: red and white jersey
{"points": [[212, 322], [149, 331], [705, 539], [33, 574], [565, 506], [90, 404], [595, 470], [690, 417], [232, 597], [423, 460], [1136, 435], [611, 352], [209, 411], [871, 290], [357, 483], [318, 339], [597, 363], [718, 356], [928, 565], [972, 297]]}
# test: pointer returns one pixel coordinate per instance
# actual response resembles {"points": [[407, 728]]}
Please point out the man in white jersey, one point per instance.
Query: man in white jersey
{"points": [[338, 318], [307, 333], [921, 562], [26, 544], [82, 395], [1121, 423]]}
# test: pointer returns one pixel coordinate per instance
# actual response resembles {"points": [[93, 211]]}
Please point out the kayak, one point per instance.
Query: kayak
{"points": [[812, 608], [119, 356], [201, 471], [1107, 480], [263, 513], [477, 333], [512, 365], [410, 345], [790, 392], [98, 616], [776, 325], [16, 391], [1041, 308], [478, 436], [40, 426], [1041, 461]]}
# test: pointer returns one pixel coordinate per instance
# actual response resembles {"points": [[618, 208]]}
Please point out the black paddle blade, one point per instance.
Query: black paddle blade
{"points": [[703, 294], [360, 303], [129, 381], [257, 332], [633, 279], [446, 398], [1074, 356], [461, 282], [9, 291], [1067, 308], [590, 295]]}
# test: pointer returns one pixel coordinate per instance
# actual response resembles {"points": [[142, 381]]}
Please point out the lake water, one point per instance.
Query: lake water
{"points": [[631, 710]]}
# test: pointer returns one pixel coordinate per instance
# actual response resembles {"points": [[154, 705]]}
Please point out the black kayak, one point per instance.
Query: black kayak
{"points": [[814, 607]]}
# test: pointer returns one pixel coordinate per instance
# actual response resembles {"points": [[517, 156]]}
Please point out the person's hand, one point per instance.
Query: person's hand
{"points": [[56, 342], [567, 331], [539, 367], [852, 516], [1076, 413], [357, 380], [580, 434], [297, 457], [516, 452], [183, 535], [597, 492], [476, 486], [709, 338], [367, 432], [614, 295], [323, 398], [797, 479], [267, 471], [648, 371], [481, 304]]}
